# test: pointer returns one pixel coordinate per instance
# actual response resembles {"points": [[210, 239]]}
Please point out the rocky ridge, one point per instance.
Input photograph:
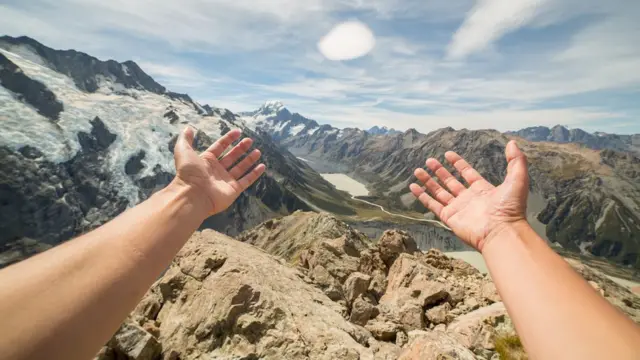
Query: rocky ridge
{"points": [[383, 130], [336, 295], [276, 120], [596, 141]]}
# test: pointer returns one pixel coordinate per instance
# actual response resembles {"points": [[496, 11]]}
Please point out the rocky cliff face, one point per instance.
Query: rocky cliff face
{"points": [[332, 293], [83, 139]]}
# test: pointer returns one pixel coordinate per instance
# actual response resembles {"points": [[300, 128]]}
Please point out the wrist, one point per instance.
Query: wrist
{"points": [[188, 198], [510, 231]]}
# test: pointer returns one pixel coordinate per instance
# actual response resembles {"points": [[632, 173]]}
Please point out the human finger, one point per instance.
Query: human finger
{"points": [[251, 177], [224, 142], [243, 166], [468, 173], [440, 194], [426, 200], [517, 169], [184, 144], [448, 180], [236, 153]]}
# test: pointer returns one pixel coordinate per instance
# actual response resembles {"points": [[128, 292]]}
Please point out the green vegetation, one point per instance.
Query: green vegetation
{"points": [[510, 347]]}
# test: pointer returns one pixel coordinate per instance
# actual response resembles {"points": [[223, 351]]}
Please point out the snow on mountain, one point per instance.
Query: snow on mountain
{"points": [[83, 139], [276, 120], [143, 121], [272, 107]]}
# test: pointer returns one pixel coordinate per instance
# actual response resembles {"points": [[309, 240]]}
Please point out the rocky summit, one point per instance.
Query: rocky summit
{"points": [[307, 286]]}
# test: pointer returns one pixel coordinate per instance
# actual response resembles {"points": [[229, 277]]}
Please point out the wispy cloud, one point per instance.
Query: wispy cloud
{"points": [[489, 20]]}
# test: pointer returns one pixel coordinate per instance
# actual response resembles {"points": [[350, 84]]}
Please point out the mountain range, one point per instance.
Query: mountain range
{"points": [[82, 139], [585, 188], [596, 141], [383, 130]]}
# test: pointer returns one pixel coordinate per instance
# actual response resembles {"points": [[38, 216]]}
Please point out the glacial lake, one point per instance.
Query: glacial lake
{"points": [[345, 183]]}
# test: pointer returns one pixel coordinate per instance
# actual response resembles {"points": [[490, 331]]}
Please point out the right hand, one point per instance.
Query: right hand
{"points": [[477, 213], [217, 179]]}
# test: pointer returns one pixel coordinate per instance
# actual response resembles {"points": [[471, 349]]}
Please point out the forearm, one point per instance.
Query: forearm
{"points": [[551, 305], [67, 302]]}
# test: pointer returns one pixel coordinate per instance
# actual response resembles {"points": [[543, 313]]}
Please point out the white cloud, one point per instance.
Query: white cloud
{"points": [[488, 21], [347, 41]]}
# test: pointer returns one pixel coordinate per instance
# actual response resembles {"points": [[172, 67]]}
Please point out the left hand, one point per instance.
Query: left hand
{"points": [[213, 178], [477, 213]]}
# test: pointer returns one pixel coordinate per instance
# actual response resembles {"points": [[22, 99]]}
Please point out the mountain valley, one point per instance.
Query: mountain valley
{"points": [[585, 194]]}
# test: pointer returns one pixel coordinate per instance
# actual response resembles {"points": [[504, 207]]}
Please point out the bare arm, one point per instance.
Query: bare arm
{"points": [[66, 303], [557, 314]]}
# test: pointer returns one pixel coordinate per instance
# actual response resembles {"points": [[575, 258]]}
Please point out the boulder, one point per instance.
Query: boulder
{"points": [[329, 285], [356, 284], [489, 293], [371, 263], [410, 279], [361, 311], [339, 256], [378, 284], [383, 350], [383, 330], [477, 329], [411, 289], [471, 303], [393, 243], [435, 345], [439, 260], [131, 342], [409, 315], [402, 338], [438, 315]]}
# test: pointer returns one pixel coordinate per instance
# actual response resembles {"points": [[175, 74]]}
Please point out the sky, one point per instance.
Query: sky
{"points": [[501, 64]]}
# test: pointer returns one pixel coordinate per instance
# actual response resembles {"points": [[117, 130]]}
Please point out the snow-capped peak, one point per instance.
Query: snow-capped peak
{"points": [[273, 106]]}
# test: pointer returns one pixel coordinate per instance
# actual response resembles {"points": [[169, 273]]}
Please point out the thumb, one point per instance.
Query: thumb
{"points": [[184, 144], [517, 170]]}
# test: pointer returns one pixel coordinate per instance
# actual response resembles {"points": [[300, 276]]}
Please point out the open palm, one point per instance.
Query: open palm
{"points": [[476, 212], [220, 180]]}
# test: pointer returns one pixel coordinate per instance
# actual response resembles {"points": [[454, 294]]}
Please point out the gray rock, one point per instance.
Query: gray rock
{"points": [[135, 343], [28, 90]]}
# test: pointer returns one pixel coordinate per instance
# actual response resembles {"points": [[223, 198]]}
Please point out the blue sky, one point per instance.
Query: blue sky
{"points": [[503, 64]]}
